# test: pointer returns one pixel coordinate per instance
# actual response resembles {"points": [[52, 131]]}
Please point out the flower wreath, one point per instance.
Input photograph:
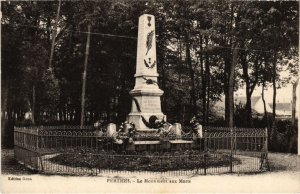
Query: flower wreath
{"points": [[165, 129]]}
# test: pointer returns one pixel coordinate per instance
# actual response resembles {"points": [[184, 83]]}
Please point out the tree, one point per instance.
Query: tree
{"points": [[204, 50], [294, 102], [54, 35], [278, 38], [84, 74], [230, 65]]}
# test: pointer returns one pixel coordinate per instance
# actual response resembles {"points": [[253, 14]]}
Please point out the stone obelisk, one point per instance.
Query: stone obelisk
{"points": [[146, 93]]}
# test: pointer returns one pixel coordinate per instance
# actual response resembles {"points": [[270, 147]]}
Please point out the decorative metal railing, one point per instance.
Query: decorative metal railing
{"points": [[85, 150]]}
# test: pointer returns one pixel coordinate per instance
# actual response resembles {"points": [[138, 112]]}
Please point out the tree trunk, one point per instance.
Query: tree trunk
{"points": [[230, 63], [54, 36], [274, 88], [226, 89], [292, 134], [87, 50], [264, 102], [207, 102], [160, 58], [108, 110], [33, 104], [179, 101], [192, 76], [49, 31], [274, 100], [298, 93], [179, 112], [230, 122], [164, 98], [248, 108], [294, 103], [203, 80], [207, 77], [183, 115]]}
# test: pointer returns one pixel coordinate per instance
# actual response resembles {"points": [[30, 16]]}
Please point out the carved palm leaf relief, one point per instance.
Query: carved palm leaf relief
{"points": [[149, 41]]}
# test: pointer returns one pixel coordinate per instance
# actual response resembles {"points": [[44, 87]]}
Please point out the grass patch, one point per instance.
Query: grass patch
{"points": [[143, 161]]}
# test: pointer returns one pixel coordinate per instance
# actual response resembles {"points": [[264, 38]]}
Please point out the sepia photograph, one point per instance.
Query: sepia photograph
{"points": [[150, 96]]}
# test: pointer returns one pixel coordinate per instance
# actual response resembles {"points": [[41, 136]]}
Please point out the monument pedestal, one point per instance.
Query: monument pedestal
{"points": [[145, 103]]}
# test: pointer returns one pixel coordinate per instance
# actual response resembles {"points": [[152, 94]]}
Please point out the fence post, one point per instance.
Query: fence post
{"points": [[205, 150], [37, 139], [266, 149], [231, 148], [15, 136], [38, 152], [235, 141], [24, 139]]}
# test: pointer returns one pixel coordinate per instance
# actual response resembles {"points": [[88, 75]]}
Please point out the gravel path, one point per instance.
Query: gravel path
{"points": [[10, 166], [284, 162], [283, 177]]}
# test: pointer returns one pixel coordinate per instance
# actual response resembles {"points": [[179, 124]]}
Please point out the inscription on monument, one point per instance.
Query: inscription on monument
{"points": [[151, 105]]}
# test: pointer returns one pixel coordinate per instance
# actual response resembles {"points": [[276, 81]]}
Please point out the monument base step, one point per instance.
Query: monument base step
{"points": [[179, 141], [147, 130], [146, 142], [157, 145], [159, 142]]}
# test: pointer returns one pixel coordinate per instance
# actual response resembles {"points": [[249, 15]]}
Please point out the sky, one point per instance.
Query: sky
{"points": [[284, 94]]}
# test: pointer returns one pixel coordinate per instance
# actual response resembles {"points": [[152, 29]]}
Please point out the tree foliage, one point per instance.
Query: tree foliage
{"points": [[198, 45]]}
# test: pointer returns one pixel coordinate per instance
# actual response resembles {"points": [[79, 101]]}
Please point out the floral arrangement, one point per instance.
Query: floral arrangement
{"points": [[127, 130], [98, 125], [196, 128], [194, 122], [125, 124], [165, 129], [125, 133]]}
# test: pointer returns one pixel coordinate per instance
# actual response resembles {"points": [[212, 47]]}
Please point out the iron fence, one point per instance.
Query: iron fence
{"points": [[86, 151]]}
